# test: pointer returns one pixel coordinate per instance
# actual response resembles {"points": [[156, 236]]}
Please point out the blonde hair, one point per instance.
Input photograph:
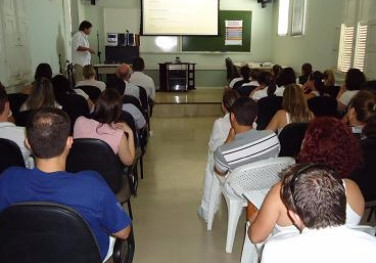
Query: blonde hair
{"points": [[329, 79], [295, 103], [88, 71]]}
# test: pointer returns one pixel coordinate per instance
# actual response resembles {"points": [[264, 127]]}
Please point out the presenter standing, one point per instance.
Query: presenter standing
{"points": [[81, 52]]}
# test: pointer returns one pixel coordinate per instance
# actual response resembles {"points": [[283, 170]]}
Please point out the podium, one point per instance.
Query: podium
{"points": [[177, 76]]}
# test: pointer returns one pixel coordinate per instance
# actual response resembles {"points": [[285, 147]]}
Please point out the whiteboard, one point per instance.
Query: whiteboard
{"points": [[118, 20]]}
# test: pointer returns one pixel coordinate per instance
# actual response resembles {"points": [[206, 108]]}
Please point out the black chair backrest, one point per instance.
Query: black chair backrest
{"points": [[144, 101], [323, 106], [267, 107], [231, 69], [10, 155], [245, 90], [128, 119], [23, 118], [96, 155], [364, 176], [291, 138], [239, 83], [331, 91], [75, 106], [92, 91], [45, 233], [16, 100]]}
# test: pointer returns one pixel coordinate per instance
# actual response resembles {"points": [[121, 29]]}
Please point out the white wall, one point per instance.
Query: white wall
{"points": [[318, 45], [260, 35], [48, 32]]}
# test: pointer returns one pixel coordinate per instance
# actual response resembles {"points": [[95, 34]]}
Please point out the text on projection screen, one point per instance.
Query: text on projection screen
{"points": [[180, 17]]}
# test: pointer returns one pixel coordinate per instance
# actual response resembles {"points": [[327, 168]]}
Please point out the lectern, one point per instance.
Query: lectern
{"points": [[177, 76]]}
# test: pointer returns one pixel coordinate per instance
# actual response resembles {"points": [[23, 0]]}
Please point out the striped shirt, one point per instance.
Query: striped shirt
{"points": [[247, 147]]}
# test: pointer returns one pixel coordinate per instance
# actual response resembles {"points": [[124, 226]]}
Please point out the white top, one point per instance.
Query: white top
{"points": [[132, 90], [261, 93], [92, 82], [81, 93], [140, 79], [233, 81], [347, 96], [220, 132], [80, 39], [136, 114], [17, 134], [332, 244], [279, 91], [252, 83]]}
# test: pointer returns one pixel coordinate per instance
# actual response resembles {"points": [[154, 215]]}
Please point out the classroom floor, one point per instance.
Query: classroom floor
{"points": [[166, 225]]}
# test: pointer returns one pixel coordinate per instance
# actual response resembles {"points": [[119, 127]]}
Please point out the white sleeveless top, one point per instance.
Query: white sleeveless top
{"points": [[352, 219]]}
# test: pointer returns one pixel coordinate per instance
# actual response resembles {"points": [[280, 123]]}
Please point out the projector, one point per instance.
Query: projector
{"points": [[264, 2]]}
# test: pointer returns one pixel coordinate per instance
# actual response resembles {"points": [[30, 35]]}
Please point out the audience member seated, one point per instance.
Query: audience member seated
{"points": [[245, 73], [10, 131], [306, 71], [135, 112], [365, 175], [104, 125], [267, 107], [62, 87], [43, 70], [276, 70], [89, 74], [313, 85], [124, 72], [42, 96], [327, 141], [353, 82], [286, 77], [315, 200], [370, 85], [86, 191], [329, 79], [294, 109], [361, 108], [218, 136], [139, 78], [244, 144], [265, 79]]}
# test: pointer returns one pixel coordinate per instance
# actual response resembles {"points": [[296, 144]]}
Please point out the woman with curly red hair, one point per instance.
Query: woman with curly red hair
{"points": [[327, 141]]}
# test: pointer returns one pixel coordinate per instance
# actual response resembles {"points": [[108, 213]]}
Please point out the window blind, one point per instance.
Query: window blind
{"points": [[345, 48]]}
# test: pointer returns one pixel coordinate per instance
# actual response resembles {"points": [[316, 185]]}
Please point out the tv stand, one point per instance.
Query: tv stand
{"points": [[177, 76]]}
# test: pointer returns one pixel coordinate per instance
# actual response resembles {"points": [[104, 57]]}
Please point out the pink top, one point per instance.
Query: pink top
{"points": [[89, 128]]}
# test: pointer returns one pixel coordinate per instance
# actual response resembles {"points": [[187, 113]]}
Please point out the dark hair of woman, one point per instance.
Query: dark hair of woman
{"points": [[286, 77], [354, 79], [43, 71], [61, 86], [108, 107]]}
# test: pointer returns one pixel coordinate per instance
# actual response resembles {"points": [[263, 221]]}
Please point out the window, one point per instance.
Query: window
{"points": [[298, 15], [350, 56], [345, 48], [283, 17], [297, 20], [360, 46]]}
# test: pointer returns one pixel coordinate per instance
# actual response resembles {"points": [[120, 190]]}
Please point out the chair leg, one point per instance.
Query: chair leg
{"points": [[131, 248], [142, 167], [249, 252], [215, 195], [130, 209], [372, 210], [234, 212]]}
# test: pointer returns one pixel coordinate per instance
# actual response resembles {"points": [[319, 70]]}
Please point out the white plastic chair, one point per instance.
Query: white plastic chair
{"points": [[255, 179]]}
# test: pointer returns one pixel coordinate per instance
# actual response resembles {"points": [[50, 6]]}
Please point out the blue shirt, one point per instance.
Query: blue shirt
{"points": [[86, 192]]}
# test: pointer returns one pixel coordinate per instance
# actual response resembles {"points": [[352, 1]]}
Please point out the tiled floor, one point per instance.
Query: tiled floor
{"points": [[166, 225]]}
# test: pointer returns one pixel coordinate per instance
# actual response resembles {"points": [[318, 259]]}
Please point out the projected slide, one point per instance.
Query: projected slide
{"points": [[180, 17]]}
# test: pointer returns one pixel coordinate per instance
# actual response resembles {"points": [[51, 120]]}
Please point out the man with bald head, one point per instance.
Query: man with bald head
{"points": [[124, 73]]}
